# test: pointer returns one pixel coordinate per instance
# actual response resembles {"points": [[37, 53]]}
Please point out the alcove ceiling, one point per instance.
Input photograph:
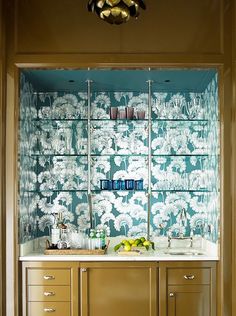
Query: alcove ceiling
{"points": [[163, 79]]}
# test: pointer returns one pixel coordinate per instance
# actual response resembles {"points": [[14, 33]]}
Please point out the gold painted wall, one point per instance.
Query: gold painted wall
{"points": [[59, 33], [166, 26], [234, 158], [2, 162]]}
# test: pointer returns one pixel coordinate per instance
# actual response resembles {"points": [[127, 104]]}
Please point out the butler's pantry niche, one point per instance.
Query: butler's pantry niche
{"points": [[133, 151]]}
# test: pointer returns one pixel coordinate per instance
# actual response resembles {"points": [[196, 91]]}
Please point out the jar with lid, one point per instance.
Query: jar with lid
{"points": [[64, 243]]}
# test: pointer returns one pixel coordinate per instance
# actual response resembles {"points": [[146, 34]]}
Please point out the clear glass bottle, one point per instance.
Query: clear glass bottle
{"points": [[64, 241]]}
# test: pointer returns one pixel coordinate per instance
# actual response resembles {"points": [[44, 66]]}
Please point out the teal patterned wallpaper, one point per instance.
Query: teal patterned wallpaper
{"points": [[53, 166]]}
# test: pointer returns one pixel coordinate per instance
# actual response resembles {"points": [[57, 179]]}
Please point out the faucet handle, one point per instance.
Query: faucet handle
{"points": [[169, 236]]}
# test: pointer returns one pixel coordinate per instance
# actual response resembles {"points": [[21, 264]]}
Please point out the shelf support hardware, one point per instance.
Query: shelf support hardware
{"points": [[89, 153], [149, 82]]}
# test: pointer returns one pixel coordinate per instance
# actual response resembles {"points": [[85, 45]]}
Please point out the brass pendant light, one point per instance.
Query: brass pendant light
{"points": [[116, 11]]}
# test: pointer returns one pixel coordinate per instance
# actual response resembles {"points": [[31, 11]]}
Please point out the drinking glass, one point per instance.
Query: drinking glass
{"points": [[113, 113], [141, 115], [122, 114], [129, 113], [129, 184]]}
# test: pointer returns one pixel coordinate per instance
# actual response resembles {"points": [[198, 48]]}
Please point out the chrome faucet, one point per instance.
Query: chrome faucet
{"points": [[183, 217], [182, 224]]}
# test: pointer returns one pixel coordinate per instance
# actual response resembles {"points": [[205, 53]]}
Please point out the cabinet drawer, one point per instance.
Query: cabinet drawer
{"points": [[58, 293], [48, 276], [50, 308], [189, 276]]}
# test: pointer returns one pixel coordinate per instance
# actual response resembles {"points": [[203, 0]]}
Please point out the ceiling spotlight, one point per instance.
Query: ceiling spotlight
{"points": [[116, 11]]}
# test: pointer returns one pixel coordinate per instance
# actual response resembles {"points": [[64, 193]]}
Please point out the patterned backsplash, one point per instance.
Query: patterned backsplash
{"points": [[53, 162]]}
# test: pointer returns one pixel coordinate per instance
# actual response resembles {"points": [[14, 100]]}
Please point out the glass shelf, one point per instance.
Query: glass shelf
{"points": [[59, 119], [180, 155], [39, 191], [120, 120], [119, 155], [123, 191], [99, 191], [152, 119], [176, 190], [115, 155], [179, 120], [55, 155]]}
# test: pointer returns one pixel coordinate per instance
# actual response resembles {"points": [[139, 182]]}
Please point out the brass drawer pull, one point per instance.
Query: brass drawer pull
{"points": [[171, 294], [49, 277], [49, 310], [83, 270], [48, 293], [189, 277]]}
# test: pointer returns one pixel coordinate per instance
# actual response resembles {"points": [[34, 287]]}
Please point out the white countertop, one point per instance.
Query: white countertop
{"points": [[34, 252], [149, 256]]}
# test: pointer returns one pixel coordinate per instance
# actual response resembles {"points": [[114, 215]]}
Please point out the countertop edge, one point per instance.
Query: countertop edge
{"points": [[41, 257]]}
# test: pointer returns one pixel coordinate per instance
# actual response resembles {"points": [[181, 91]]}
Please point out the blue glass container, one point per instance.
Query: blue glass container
{"points": [[129, 184], [138, 184], [116, 184], [105, 184]]}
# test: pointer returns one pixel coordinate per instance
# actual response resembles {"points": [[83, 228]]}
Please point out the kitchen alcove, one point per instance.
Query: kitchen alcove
{"points": [[68, 143]]}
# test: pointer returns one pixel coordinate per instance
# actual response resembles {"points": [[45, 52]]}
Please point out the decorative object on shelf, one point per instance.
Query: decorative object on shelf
{"points": [[140, 115], [117, 184], [129, 113], [122, 115], [105, 184], [126, 114], [113, 113], [138, 184], [128, 184], [116, 11]]}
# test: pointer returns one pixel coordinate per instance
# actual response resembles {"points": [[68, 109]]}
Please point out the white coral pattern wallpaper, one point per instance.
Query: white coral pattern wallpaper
{"points": [[53, 162]]}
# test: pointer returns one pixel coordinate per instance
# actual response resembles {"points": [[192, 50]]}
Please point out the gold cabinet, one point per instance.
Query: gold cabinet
{"points": [[189, 289], [128, 288], [189, 300], [119, 288], [50, 288]]}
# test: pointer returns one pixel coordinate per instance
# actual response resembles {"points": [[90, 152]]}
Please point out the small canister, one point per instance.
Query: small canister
{"points": [[138, 184], [129, 184], [105, 184], [116, 184]]}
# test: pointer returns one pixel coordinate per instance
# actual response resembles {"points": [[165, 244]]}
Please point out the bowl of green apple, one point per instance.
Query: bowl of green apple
{"points": [[134, 246]]}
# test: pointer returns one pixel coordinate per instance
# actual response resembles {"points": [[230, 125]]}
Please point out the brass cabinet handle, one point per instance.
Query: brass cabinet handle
{"points": [[48, 293], [189, 277], [83, 270], [49, 310], [48, 277], [171, 294]]}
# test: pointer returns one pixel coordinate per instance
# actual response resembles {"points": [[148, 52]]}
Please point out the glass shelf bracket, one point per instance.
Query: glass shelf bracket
{"points": [[149, 82], [89, 153]]}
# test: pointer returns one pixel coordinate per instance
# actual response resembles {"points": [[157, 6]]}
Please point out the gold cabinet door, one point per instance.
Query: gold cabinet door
{"points": [[189, 300], [119, 289]]}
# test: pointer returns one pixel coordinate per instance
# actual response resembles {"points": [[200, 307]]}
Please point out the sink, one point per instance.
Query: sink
{"points": [[183, 252]]}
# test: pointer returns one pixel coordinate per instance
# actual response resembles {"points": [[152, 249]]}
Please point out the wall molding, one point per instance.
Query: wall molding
{"points": [[2, 162]]}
